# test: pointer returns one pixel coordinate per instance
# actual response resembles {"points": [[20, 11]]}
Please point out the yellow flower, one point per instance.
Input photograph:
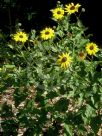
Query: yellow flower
{"points": [[47, 33], [82, 55], [92, 48], [64, 60], [58, 13], [71, 8], [20, 37]]}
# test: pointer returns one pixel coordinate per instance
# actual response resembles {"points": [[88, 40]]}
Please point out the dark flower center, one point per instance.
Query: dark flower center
{"points": [[47, 32], [64, 59], [21, 36], [72, 8], [58, 12], [91, 47], [81, 54]]}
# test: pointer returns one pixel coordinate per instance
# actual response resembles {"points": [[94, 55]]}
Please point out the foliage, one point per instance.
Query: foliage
{"points": [[57, 89]]}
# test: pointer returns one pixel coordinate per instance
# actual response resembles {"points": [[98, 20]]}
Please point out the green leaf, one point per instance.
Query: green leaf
{"points": [[68, 130], [9, 66], [11, 46], [90, 111]]}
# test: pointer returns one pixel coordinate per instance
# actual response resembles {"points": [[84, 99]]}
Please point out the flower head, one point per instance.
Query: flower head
{"points": [[82, 55], [47, 33], [58, 13], [92, 48], [71, 8], [64, 60], [20, 37], [35, 42]]}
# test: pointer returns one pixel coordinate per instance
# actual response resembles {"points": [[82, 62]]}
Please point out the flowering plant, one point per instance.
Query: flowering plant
{"points": [[54, 77]]}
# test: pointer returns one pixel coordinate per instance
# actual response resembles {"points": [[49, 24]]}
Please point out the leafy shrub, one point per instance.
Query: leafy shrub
{"points": [[57, 89]]}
